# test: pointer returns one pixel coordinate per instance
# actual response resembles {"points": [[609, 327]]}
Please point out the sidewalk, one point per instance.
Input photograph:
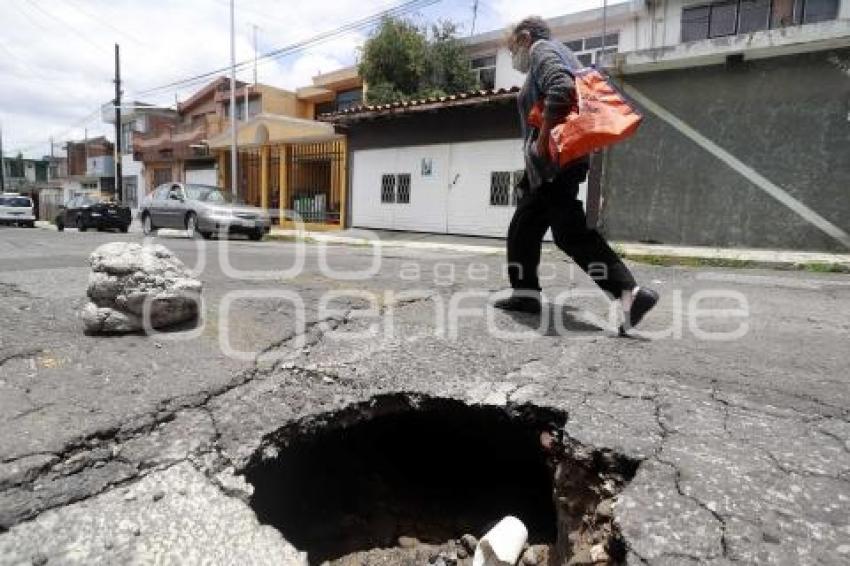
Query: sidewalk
{"points": [[657, 254]]}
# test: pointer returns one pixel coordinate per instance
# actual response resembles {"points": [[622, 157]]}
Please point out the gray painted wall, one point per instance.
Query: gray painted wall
{"points": [[788, 118]]}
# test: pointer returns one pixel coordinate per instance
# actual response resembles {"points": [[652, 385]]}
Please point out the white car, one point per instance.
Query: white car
{"points": [[16, 209]]}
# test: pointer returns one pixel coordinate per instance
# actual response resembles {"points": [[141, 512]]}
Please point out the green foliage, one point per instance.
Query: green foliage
{"points": [[403, 62]]}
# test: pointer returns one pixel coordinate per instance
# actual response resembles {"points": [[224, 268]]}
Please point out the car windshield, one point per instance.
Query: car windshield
{"points": [[20, 202], [210, 194]]}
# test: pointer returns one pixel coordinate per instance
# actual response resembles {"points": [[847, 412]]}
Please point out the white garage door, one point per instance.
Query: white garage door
{"points": [[461, 188], [400, 189], [202, 176]]}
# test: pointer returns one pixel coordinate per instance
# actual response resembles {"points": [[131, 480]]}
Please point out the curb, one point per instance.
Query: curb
{"points": [[660, 255]]}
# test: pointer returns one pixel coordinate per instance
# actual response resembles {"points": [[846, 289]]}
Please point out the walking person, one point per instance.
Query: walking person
{"points": [[548, 194]]}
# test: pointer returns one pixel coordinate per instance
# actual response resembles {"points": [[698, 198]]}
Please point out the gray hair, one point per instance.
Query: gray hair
{"points": [[535, 26]]}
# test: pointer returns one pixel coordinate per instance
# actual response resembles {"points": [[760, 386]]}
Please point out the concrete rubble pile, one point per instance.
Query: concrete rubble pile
{"points": [[128, 278]]}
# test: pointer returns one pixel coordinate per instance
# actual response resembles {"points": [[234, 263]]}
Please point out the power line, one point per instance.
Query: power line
{"points": [[301, 45], [66, 25], [290, 49], [106, 23]]}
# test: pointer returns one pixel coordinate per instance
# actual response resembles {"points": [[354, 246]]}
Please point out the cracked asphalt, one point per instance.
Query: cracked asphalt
{"points": [[129, 449]]}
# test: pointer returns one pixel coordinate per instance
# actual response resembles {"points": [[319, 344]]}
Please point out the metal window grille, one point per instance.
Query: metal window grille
{"points": [[403, 193], [501, 188], [517, 178], [387, 188]]}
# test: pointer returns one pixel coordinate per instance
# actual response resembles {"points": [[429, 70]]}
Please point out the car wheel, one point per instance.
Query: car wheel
{"points": [[192, 225], [81, 224], [60, 225], [256, 235], [125, 229], [30, 224], [147, 225]]}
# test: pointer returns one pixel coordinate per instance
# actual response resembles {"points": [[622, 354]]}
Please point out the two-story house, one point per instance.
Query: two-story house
{"points": [[91, 167], [288, 161], [137, 119], [175, 146]]}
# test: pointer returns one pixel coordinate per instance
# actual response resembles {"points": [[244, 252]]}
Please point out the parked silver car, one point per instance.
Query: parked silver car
{"points": [[201, 210]]}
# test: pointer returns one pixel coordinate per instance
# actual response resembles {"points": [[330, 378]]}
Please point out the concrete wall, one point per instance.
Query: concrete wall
{"points": [[786, 117]]}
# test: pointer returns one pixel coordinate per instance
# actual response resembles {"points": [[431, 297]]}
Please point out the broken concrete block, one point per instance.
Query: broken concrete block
{"points": [[128, 278]]}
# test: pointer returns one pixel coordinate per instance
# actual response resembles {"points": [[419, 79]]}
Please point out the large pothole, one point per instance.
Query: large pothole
{"points": [[358, 485]]}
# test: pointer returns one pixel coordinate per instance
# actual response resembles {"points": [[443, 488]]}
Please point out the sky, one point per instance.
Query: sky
{"points": [[57, 56]]}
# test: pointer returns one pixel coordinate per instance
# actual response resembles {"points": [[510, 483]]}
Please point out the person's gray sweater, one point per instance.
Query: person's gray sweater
{"points": [[548, 79]]}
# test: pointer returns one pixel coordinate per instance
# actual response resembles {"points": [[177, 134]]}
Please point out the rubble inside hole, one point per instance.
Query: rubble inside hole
{"points": [[402, 478]]}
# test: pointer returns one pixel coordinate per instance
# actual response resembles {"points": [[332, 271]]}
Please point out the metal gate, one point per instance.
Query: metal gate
{"points": [[249, 177], [48, 204], [315, 174]]}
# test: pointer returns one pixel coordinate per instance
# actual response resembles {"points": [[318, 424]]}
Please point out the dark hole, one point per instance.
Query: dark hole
{"points": [[434, 473]]}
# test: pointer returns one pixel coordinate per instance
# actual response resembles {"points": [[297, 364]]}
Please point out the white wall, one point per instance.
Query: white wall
{"points": [[454, 199], [506, 76], [131, 168]]}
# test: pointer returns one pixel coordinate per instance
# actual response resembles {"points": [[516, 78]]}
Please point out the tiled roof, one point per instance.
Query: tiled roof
{"points": [[471, 98]]}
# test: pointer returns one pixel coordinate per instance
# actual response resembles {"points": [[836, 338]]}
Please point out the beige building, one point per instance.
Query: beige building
{"points": [[288, 161]]}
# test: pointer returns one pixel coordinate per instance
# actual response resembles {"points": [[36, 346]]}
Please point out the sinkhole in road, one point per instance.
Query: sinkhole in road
{"points": [[433, 469]]}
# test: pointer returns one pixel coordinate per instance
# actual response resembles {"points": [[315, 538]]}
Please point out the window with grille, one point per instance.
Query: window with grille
{"points": [[395, 188], [503, 187], [388, 188], [590, 50], [403, 194], [730, 17]]}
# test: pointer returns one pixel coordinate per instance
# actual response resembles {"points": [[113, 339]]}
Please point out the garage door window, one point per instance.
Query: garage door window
{"points": [[387, 188], [395, 188], [403, 195], [503, 187]]}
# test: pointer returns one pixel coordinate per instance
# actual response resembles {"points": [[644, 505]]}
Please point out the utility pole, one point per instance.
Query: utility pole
{"points": [[474, 16], [119, 179], [233, 156], [255, 54], [2, 164], [86, 151]]}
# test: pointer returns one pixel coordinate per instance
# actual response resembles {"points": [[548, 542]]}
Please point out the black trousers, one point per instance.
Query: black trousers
{"points": [[555, 205]]}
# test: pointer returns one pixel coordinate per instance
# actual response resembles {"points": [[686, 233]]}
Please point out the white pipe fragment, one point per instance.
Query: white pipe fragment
{"points": [[502, 545]]}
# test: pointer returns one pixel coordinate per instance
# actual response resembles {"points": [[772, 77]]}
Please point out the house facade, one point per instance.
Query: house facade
{"points": [[137, 119], [289, 161], [175, 146], [738, 73], [91, 167]]}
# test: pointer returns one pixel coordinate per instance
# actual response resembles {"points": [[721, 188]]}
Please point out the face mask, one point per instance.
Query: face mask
{"points": [[522, 59]]}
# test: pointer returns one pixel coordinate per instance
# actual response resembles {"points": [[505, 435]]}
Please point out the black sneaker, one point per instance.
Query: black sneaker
{"points": [[519, 303], [643, 302]]}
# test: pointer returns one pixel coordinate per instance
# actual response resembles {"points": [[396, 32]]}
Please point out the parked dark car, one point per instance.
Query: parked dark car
{"points": [[93, 211], [201, 210]]}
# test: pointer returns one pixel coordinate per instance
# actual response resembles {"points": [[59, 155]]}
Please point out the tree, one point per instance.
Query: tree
{"points": [[402, 62]]}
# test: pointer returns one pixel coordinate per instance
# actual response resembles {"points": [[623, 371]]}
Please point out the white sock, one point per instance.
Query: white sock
{"points": [[627, 298]]}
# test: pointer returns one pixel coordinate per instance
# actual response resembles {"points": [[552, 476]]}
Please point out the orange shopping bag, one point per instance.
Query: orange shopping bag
{"points": [[600, 117]]}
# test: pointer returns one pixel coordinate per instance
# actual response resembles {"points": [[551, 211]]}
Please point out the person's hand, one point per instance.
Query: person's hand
{"points": [[543, 141]]}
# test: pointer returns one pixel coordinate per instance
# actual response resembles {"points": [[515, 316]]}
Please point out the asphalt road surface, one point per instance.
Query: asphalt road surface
{"points": [[733, 398]]}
